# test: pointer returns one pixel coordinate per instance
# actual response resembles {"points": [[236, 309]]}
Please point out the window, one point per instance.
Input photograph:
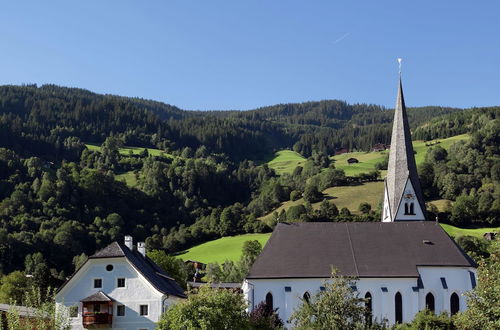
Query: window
{"points": [[406, 209], [454, 304], [73, 311], [429, 302], [412, 211], [398, 306], [97, 283], [269, 300], [306, 297], [120, 283], [97, 308], [109, 268], [120, 310], [143, 310]]}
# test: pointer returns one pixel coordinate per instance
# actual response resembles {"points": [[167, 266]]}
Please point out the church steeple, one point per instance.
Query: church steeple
{"points": [[403, 199]]}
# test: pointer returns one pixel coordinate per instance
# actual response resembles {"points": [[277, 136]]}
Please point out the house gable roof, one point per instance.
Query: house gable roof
{"points": [[394, 249], [151, 271], [160, 280]]}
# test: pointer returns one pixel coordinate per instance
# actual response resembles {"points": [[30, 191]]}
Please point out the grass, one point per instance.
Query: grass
{"points": [[125, 151], [345, 196], [478, 232], [128, 177], [222, 249], [285, 161], [367, 160], [441, 204], [352, 196]]}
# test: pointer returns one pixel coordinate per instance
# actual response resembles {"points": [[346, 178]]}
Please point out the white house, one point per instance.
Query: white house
{"points": [[118, 288], [402, 264]]}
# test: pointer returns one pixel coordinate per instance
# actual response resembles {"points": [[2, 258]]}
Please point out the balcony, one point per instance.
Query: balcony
{"points": [[97, 320]]}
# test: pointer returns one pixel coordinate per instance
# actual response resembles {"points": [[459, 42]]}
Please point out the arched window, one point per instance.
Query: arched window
{"points": [[269, 300], [454, 304], [398, 306], [406, 209], [369, 308], [412, 210], [429, 302], [306, 297]]}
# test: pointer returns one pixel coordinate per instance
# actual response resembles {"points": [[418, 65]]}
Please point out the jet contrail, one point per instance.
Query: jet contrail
{"points": [[342, 38]]}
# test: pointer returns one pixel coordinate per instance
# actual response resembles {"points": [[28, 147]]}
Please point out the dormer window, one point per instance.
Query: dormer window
{"points": [[97, 283]]}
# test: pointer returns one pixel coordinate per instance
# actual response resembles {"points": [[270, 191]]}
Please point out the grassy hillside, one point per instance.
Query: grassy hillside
{"points": [[346, 196], [367, 160], [131, 150], [229, 248], [128, 177], [219, 250], [285, 161], [478, 232]]}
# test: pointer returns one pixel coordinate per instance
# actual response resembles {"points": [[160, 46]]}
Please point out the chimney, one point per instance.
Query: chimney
{"points": [[129, 242], [141, 248]]}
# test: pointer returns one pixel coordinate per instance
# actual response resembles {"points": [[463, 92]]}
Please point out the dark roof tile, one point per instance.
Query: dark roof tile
{"points": [[359, 249]]}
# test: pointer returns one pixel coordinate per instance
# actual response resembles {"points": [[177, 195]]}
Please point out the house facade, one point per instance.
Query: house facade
{"points": [[402, 264], [118, 288]]}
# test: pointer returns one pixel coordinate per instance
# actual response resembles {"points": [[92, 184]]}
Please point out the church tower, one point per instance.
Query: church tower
{"points": [[403, 199]]}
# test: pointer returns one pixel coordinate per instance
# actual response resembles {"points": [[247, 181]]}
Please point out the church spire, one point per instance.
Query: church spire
{"points": [[403, 198]]}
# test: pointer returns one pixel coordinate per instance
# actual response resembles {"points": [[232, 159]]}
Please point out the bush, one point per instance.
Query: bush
{"points": [[294, 195], [264, 317], [427, 320], [207, 309], [365, 208]]}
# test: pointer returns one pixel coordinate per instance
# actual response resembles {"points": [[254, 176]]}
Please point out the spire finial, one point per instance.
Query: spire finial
{"points": [[399, 61]]}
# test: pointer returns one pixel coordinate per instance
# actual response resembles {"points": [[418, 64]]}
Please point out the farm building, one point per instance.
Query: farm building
{"points": [[380, 147], [403, 264], [118, 287], [340, 151]]}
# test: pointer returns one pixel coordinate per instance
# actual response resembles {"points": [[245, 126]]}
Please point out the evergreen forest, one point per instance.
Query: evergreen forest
{"points": [[61, 200]]}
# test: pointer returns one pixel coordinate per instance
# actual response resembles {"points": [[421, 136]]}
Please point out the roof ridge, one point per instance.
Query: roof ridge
{"points": [[352, 250]]}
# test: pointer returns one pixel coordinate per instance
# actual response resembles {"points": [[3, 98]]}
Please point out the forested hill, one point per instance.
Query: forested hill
{"points": [[58, 192], [42, 120]]}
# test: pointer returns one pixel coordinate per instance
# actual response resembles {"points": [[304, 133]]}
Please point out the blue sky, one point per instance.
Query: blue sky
{"points": [[245, 54]]}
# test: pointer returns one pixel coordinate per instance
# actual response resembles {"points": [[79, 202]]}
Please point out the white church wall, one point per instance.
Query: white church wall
{"points": [[137, 291], [457, 280], [383, 303]]}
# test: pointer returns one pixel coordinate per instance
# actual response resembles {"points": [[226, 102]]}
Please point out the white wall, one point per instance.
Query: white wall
{"points": [[457, 278], [137, 291]]}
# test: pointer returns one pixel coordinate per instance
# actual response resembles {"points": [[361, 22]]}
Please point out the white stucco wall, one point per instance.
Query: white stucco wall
{"points": [[400, 214], [137, 291], [457, 278]]}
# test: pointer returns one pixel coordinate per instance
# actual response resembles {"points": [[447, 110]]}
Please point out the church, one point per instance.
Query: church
{"points": [[403, 264]]}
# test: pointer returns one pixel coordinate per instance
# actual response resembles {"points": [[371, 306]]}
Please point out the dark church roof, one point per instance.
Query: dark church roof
{"points": [[154, 274], [361, 249], [401, 164]]}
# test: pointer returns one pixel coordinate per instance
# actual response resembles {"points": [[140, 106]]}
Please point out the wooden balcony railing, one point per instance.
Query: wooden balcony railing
{"points": [[90, 319]]}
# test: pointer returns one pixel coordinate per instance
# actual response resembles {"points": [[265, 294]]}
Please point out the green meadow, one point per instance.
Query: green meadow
{"points": [[222, 249], [478, 232], [344, 196], [285, 161], [367, 160], [125, 151]]}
